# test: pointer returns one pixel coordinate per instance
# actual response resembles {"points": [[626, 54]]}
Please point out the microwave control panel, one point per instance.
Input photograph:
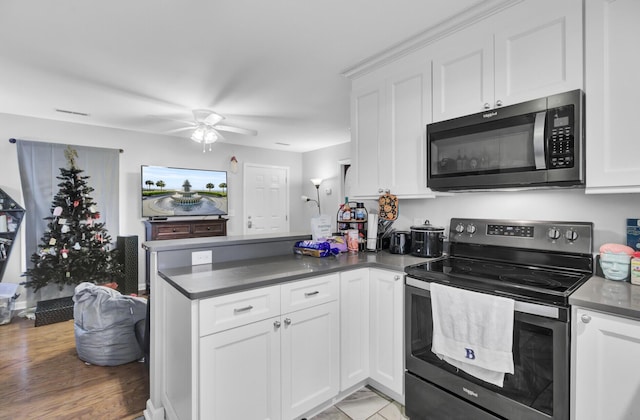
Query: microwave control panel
{"points": [[560, 129]]}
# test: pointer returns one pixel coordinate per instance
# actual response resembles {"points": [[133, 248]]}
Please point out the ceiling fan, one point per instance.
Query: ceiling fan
{"points": [[206, 128]]}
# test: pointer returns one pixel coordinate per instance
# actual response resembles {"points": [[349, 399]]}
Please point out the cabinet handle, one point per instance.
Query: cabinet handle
{"points": [[208, 227], [174, 229], [276, 324], [486, 105], [498, 102], [287, 321], [396, 277], [246, 308], [307, 294], [585, 318]]}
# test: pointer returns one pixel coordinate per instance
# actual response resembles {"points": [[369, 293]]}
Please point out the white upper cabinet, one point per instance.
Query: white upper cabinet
{"points": [[462, 74], [611, 72], [530, 50], [390, 108]]}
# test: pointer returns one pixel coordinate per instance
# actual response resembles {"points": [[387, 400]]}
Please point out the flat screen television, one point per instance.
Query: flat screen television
{"points": [[169, 192]]}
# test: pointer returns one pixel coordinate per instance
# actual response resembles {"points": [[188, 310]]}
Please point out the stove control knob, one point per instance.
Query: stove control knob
{"points": [[471, 229], [553, 233], [571, 235], [460, 228]]}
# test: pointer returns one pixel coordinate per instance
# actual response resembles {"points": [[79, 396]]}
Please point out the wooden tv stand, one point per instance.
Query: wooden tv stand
{"points": [[183, 229]]}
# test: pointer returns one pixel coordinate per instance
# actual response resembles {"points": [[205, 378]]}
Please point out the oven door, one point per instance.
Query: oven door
{"points": [[538, 389]]}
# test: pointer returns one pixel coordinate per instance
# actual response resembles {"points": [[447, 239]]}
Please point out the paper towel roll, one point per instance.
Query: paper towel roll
{"points": [[3, 222], [372, 231]]}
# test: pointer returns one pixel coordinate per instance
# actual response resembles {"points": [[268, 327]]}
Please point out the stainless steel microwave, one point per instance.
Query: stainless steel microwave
{"points": [[538, 143]]}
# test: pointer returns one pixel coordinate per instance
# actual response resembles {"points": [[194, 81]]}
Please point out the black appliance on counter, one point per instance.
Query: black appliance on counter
{"points": [[427, 240], [400, 242], [532, 144], [538, 265]]}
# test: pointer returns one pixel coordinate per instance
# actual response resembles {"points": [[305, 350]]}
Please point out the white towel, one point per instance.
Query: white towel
{"points": [[473, 331]]}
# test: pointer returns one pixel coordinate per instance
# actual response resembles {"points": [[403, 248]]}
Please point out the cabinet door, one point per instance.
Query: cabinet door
{"points": [[606, 366], [387, 328], [366, 131], [310, 358], [238, 366], [404, 150], [538, 50], [354, 327], [462, 74], [612, 63]]}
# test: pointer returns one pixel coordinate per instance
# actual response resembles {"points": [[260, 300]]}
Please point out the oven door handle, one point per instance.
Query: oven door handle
{"points": [[519, 306], [531, 308]]}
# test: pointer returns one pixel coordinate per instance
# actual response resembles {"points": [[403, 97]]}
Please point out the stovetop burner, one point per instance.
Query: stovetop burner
{"points": [[522, 282], [526, 260]]}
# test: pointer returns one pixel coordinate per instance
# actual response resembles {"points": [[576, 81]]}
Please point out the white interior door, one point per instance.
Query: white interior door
{"points": [[266, 199]]}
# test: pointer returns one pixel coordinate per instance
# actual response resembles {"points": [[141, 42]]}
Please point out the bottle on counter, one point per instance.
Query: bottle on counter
{"points": [[346, 210], [361, 212], [635, 268], [341, 212]]}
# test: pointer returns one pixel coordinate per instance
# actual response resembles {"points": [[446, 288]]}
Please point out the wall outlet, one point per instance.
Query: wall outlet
{"points": [[201, 257]]}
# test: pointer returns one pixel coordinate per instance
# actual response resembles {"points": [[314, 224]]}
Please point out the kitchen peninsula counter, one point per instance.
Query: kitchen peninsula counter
{"points": [[615, 297], [203, 281]]}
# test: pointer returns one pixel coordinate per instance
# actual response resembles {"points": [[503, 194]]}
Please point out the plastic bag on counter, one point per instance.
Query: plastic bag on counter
{"points": [[316, 248]]}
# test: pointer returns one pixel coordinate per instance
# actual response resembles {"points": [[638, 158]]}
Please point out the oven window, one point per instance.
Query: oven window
{"points": [[532, 381]]}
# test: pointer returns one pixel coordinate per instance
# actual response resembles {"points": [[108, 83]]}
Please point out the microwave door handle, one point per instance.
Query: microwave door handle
{"points": [[538, 140]]}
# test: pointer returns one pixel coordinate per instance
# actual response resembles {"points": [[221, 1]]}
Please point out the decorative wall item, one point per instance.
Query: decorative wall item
{"points": [[11, 215]]}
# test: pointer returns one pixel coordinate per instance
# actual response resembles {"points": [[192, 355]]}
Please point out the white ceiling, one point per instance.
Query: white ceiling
{"points": [[269, 65]]}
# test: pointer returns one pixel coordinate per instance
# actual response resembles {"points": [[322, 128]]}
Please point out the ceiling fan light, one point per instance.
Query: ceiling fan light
{"points": [[198, 134], [210, 136]]}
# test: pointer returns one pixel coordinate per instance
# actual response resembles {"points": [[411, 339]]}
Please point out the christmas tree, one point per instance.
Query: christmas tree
{"points": [[75, 247]]}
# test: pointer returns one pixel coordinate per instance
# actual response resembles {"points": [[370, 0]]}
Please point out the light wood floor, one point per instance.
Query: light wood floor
{"points": [[41, 377]]}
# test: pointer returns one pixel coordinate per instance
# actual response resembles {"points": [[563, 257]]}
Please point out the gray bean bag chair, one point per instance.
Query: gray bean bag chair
{"points": [[104, 325]]}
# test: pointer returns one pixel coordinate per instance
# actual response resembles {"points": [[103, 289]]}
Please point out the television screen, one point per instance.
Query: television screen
{"points": [[170, 192]]}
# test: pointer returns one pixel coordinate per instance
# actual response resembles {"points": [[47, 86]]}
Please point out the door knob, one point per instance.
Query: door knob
{"points": [[498, 102], [486, 105], [287, 321], [276, 324], [585, 318]]}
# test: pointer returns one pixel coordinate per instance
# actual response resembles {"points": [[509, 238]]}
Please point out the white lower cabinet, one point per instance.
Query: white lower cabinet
{"points": [[386, 329], [372, 329], [279, 352], [354, 327], [606, 362], [238, 366], [310, 358], [274, 368]]}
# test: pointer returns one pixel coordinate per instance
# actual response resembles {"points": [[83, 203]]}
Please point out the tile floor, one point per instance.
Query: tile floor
{"points": [[364, 404]]}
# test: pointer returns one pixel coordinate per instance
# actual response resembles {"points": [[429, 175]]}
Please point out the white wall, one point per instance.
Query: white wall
{"points": [[608, 212], [140, 149], [323, 163]]}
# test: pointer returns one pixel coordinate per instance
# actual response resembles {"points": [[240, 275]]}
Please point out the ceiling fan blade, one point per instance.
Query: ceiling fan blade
{"points": [[206, 116], [177, 130], [238, 130]]}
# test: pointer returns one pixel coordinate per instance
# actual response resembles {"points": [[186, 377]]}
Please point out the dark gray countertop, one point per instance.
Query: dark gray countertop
{"points": [[203, 281], [615, 297], [218, 241]]}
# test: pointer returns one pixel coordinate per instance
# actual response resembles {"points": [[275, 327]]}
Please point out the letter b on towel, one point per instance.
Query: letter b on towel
{"points": [[470, 354]]}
